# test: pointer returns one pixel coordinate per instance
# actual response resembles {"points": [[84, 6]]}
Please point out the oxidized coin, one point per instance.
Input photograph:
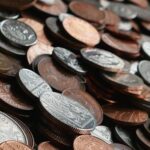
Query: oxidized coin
{"points": [[12, 145], [18, 33], [103, 133], [69, 60], [32, 83], [4, 14], [56, 77], [81, 31], [46, 146], [90, 143], [87, 11], [38, 49], [144, 70], [117, 146], [124, 115], [68, 112], [102, 59], [146, 49]]}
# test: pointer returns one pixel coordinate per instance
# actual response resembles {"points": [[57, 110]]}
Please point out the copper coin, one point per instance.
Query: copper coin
{"points": [[88, 142], [11, 145], [81, 31], [38, 49], [125, 115], [46, 146], [54, 7], [117, 146], [141, 3], [87, 11], [56, 77], [17, 4], [87, 100]]}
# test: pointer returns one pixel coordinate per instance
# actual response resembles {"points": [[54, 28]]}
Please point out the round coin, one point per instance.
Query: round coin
{"points": [[46, 146], [81, 31], [117, 146], [147, 127], [102, 59], [18, 33], [4, 14], [146, 49], [89, 142]]}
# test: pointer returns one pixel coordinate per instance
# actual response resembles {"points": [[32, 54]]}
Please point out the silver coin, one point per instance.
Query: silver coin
{"points": [[8, 15]]}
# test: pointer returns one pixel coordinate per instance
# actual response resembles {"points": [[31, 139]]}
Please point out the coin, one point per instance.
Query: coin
{"points": [[88, 142], [69, 60], [102, 59], [146, 49], [124, 115], [81, 31], [68, 112], [46, 146], [11, 145], [146, 127], [32, 83], [141, 3], [117, 146], [18, 33]]}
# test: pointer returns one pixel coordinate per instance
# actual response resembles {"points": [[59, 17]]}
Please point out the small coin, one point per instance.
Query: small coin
{"points": [[46, 146], [89, 142], [81, 31], [117, 146], [102, 59], [69, 60], [18, 33], [11, 145], [103, 133], [124, 115], [32, 83], [68, 112]]}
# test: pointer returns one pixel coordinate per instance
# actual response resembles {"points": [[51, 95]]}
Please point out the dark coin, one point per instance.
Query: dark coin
{"points": [[89, 142], [147, 127], [144, 71], [103, 133], [69, 60], [56, 77], [68, 112], [18, 33], [124, 115], [146, 49], [32, 83], [117, 146], [86, 100], [46, 146], [87, 11], [102, 59]]}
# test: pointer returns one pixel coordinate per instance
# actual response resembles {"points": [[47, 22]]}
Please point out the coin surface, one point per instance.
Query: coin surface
{"points": [[46, 146], [18, 33], [117, 146], [81, 31], [4, 14], [103, 59], [146, 48], [147, 127], [88, 142]]}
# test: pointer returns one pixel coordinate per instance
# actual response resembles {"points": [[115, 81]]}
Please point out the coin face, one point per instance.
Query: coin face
{"points": [[81, 31], [88, 142], [69, 60], [18, 33], [103, 59], [32, 82], [68, 111]]}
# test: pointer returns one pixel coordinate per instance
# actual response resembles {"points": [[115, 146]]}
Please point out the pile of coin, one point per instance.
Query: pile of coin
{"points": [[74, 74]]}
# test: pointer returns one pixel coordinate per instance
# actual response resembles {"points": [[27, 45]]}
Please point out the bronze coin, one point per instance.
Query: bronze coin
{"points": [[56, 77], [17, 4], [87, 11], [46, 146], [81, 31], [141, 3], [117, 146], [54, 7], [87, 100], [38, 49], [89, 142], [125, 115], [11, 145]]}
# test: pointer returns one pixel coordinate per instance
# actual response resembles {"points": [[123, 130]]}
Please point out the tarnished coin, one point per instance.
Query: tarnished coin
{"points": [[87, 11], [117, 146], [46, 146], [69, 60], [68, 112], [102, 59], [56, 77], [103, 133], [32, 83], [89, 142], [124, 115], [38, 49], [146, 49], [4, 14], [11, 145], [18, 33], [143, 69], [81, 31]]}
